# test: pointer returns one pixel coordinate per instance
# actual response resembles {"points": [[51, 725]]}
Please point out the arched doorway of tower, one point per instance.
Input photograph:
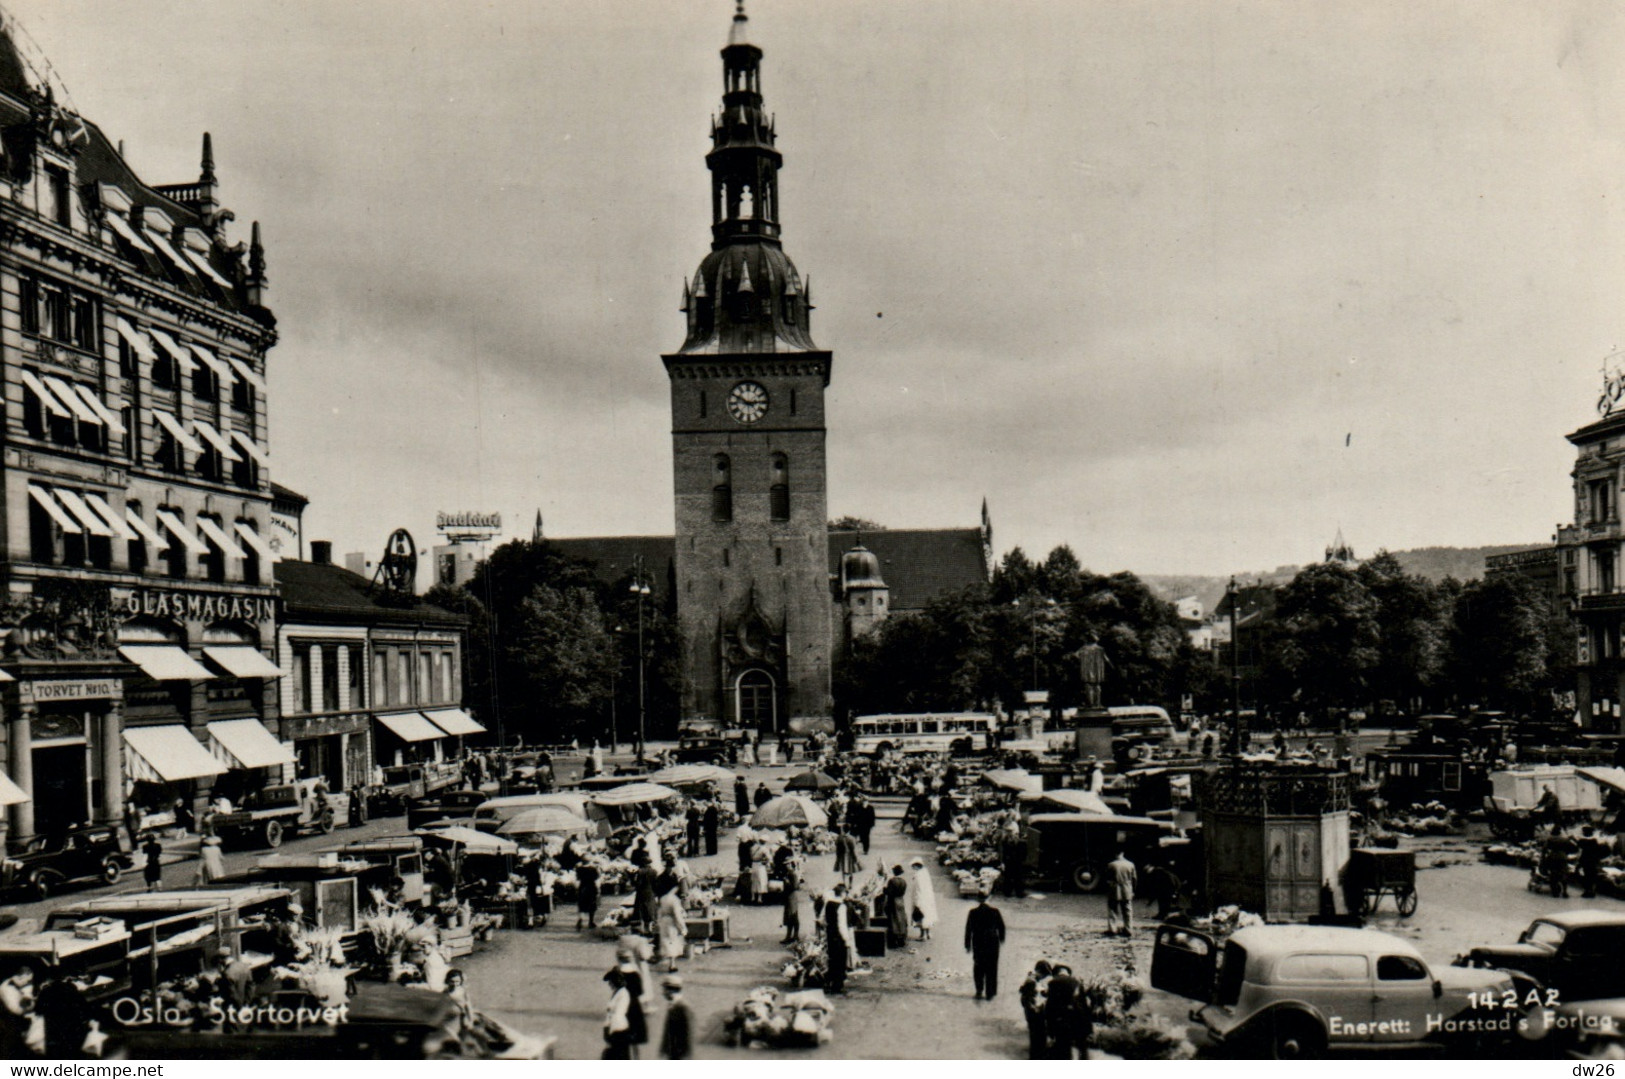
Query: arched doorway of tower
{"points": [[756, 700]]}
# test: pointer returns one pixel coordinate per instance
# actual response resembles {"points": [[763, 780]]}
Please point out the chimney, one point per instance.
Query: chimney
{"points": [[321, 552]]}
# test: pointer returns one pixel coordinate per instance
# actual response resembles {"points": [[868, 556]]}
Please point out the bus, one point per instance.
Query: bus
{"points": [[959, 733], [1119, 731]]}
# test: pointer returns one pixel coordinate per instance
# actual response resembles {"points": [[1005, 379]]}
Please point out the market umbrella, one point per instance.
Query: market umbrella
{"points": [[634, 794], [691, 775], [815, 781], [545, 820], [1012, 779], [789, 811], [1068, 801], [469, 839]]}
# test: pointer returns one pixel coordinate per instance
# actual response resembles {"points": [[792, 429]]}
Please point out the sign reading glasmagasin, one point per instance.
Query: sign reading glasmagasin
{"points": [[192, 606]]}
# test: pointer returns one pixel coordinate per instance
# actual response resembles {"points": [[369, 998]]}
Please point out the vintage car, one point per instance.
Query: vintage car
{"points": [[1574, 952], [444, 806], [272, 812], [1292, 991], [41, 864], [1074, 848], [405, 783]]}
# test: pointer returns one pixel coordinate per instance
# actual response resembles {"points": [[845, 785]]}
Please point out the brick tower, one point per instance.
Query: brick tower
{"points": [[747, 406]]}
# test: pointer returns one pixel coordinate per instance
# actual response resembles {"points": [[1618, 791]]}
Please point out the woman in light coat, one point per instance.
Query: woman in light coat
{"points": [[673, 928], [922, 900]]}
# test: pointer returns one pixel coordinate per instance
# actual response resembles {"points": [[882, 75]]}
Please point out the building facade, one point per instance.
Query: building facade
{"points": [[1587, 570], [138, 603], [370, 679]]}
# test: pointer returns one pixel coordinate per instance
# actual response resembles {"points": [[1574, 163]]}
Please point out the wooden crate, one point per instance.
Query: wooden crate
{"points": [[457, 942]]}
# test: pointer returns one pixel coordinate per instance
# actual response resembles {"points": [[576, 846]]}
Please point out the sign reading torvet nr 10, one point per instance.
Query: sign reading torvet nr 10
{"points": [[468, 522]]}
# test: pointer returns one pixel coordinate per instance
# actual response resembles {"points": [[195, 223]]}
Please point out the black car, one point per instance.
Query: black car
{"points": [[40, 864], [444, 806], [1573, 954]]}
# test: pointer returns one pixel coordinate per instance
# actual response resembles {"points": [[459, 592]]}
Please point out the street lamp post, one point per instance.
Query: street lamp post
{"points": [[1236, 740], [614, 680], [640, 589]]}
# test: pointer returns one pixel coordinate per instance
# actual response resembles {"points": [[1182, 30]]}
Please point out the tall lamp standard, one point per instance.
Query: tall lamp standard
{"points": [[640, 588], [1236, 739], [614, 679]]}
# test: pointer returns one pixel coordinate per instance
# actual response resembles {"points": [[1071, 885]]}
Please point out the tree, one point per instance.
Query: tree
{"points": [[1412, 631], [1502, 643], [855, 524], [1325, 641], [558, 654]]}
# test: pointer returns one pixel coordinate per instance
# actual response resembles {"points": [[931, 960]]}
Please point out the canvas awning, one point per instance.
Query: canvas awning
{"points": [[218, 536], [243, 661], [106, 513], [10, 793], [167, 754], [131, 236], [1612, 778], [65, 393], [82, 513], [179, 531], [176, 352], [454, 721], [204, 266], [176, 431], [252, 538], [148, 533], [246, 373], [166, 249], [136, 340], [98, 406], [246, 743], [410, 726], [47, 502], [165, 663], [47, 399], [252, 448], [212, 362], [217, 440]]}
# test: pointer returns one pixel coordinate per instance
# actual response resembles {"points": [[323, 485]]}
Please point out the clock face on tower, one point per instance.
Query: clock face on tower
{"points": [[747, 402]]}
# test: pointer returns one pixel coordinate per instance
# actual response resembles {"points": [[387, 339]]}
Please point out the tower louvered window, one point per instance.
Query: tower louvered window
{"points": [[722, 491], [779, 493]]}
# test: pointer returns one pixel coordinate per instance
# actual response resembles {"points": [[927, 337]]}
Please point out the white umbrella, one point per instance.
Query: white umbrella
{"points": [[545, 820], [634, 794], [1070, 801], [788, 811], [469, 838], [692, 774]]}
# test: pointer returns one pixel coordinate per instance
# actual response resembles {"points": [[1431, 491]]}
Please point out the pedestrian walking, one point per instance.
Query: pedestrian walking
{"points": [[861, 819], [1067, 1022], [1592, 853], [645, 902], [586, 895], [211, 863], [153, 871], [763, 795], [922, 899], [673, 927], [1120, 880], [846, 858], [984, 936], [618, 1018], [709, 823], [1013, 863], [741, 798], [792, 901], [1033, 991], [677, 1036]]}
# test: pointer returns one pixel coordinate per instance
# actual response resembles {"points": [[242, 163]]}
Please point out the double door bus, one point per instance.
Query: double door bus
{"points": [[958, 733]]}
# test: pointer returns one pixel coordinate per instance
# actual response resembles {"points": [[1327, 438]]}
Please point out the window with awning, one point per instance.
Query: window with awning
{"points": [[167, 754], [180, 532], [255, 543], [174, 257], [65, 393], [246, 743], [108, 514], [217, 440], [136, 340], [218, 537], [252, 448], [165, 663], [454, 721], [176, 431], [95, 404], [128, 233], [246, 373], [242, 661], [93, 524], [47, 399], [176, 352], [53, 509], [410, 726], [201, 263], [158, 544]]}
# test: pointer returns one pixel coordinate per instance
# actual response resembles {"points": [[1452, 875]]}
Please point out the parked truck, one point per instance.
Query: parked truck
{"points": [[269, 814]]}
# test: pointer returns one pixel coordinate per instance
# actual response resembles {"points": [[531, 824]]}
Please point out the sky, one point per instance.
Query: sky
{"points": [[1186, 284]]}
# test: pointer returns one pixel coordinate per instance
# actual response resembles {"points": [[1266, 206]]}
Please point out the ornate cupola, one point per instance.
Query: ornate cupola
{"points": [[747, 295]]}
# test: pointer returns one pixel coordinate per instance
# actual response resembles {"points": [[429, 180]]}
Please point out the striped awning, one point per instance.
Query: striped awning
{"points": [[454, 721], [410, 726], [246, 743], [167, 754]]}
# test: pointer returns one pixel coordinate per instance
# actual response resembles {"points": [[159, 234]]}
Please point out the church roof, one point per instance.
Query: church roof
{"points": [[919, 564]]}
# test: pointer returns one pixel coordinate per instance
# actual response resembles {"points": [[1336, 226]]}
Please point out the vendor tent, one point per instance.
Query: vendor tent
{"points": [[544, 820], [1611, 778], [469, 839], [1067, 801], [789, 811], [815, 781], [1013, 779], [634, 794], [691, 775]]}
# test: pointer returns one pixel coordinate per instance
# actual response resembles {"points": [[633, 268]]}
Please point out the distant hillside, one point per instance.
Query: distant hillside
{"points": [[1434, 563]]}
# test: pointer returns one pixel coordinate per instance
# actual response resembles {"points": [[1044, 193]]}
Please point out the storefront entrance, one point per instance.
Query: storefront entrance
{"points": [[61, 795]]}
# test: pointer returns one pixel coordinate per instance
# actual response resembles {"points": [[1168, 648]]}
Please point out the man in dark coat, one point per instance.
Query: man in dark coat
{"points": [[1066, 1015], [677, 1038], [692, 850], [860, 818], [741, 798], [763, 795], [709, 822], [984, 936], [67, 1015]]}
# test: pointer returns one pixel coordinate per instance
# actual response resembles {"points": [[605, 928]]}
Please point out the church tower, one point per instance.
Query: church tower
{"points": [[747, 406]]}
